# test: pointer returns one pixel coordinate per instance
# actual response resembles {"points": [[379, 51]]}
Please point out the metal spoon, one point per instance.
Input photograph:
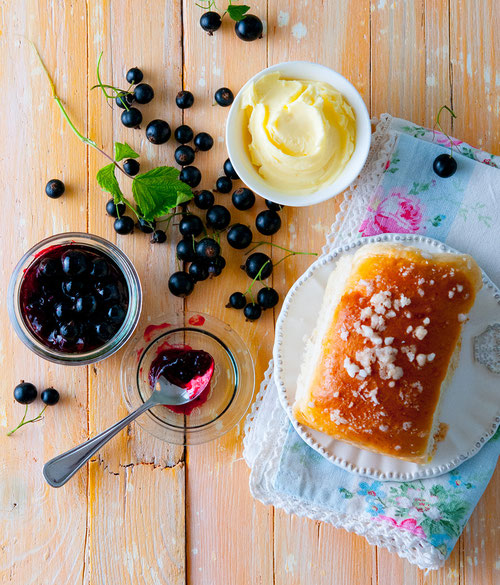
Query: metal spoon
{"points": [[59, 470]]}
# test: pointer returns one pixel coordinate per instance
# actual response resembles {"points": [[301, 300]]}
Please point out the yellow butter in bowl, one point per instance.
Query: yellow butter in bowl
{"points": [[300, 134]]}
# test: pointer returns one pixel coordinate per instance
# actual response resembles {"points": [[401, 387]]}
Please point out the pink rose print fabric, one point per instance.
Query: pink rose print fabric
{"points": [[396, 212]]}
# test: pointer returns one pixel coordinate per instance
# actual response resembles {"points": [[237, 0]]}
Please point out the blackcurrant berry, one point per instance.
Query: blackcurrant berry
{"points": [[114, 209], [131, 166], [184, 99], [274, 206], [268, 222], [70, 330], [158, 237], [86, 304], [184, 155], [216, 266], [207, 248], [249, 28], [25, 393], [62, 310], [116, 314], [191, 176], [99, 268], [243, 199], [198, 270], [72, 288], [210, 22], [204, 199], [203, 141], [218, 217], [252, 311], [50, 396], [134, 76], [124, 99], [224, 97], [108, 291], [191, 225], [223, 184], [124, 225], [74, 263], [54, 188], [143, 93], [48, 267], [104, 331], [146, 226], [257, 261], [185, 250], [181, 284], [131, 118], [237, 301], [183, 134], [239, 236], [267, 298], [444, 166], [229, 170], [158, 131]]}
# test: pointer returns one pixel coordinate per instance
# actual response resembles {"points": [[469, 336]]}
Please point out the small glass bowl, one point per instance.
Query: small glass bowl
{"points": [[134, 306], [231, 387]]}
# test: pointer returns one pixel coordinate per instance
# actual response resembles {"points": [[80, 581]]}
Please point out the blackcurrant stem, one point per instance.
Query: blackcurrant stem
{"points": [[118, 90], [67, 118], [288, 256], [131, 207], [257, 244], [438, 124], [169, 218], [257, 277], [25, 422]]}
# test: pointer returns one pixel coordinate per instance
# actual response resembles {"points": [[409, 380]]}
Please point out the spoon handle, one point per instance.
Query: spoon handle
{"points": [[59, 470]]}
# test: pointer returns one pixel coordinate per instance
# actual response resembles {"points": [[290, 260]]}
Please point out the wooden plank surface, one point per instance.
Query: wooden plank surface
{"points": [[144, 511]]}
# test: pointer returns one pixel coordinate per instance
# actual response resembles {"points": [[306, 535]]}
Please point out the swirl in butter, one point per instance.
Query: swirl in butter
{"points": [[300, 134]]}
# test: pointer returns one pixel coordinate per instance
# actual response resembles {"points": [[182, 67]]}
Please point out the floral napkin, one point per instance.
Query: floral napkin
{"points": [[419, 520]]}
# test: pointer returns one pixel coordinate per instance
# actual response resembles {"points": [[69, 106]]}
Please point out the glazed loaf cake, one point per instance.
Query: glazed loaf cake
{"points": [[385, 346]]}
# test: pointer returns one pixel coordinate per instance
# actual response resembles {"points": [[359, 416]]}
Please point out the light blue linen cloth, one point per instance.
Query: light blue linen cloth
{"points": [[464, 212]]}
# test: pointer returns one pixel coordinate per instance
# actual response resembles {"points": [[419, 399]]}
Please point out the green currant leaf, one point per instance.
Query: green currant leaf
{"points": [[237, 12], [124, 151], [158, 191], [107, 181]]}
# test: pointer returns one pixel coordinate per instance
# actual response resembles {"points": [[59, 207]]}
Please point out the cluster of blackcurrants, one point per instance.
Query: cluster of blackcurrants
{"points": [[142, 94], [26, 393], [158, 132], [184, 154], [249, 28], [203, 258]]}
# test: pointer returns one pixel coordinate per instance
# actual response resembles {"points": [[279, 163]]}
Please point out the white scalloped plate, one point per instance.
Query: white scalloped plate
{"points": [[471, 405]]}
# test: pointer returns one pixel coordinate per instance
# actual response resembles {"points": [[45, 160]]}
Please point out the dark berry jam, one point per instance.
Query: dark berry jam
{"points": [[74, 298], [185, 367]]}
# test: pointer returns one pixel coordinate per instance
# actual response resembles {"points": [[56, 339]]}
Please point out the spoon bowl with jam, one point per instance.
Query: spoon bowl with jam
{"points": [[189, 349]]}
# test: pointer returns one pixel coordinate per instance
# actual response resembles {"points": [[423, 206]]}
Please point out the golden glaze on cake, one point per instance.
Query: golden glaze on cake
{"points": [[376, 371]]}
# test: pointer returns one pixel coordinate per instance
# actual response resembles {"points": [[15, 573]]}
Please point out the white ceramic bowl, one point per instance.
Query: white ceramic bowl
{"points": [[247, 171]]}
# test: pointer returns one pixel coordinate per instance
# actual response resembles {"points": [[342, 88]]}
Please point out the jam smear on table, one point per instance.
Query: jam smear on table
{"points": [[186, 367], [73, 298]]}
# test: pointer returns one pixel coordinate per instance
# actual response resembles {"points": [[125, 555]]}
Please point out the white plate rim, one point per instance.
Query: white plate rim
{"points": [[303, 431]]}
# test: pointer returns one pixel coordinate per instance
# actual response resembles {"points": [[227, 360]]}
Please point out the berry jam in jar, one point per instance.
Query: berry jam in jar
{"points": [[74, 299]]}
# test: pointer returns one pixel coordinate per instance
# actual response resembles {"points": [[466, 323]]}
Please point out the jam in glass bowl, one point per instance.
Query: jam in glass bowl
{"points": [[74, 298], [195, 351]]}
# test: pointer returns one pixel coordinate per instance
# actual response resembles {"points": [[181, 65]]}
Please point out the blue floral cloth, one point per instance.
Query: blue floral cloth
{"points": [[435, 509], [464, 212]]}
